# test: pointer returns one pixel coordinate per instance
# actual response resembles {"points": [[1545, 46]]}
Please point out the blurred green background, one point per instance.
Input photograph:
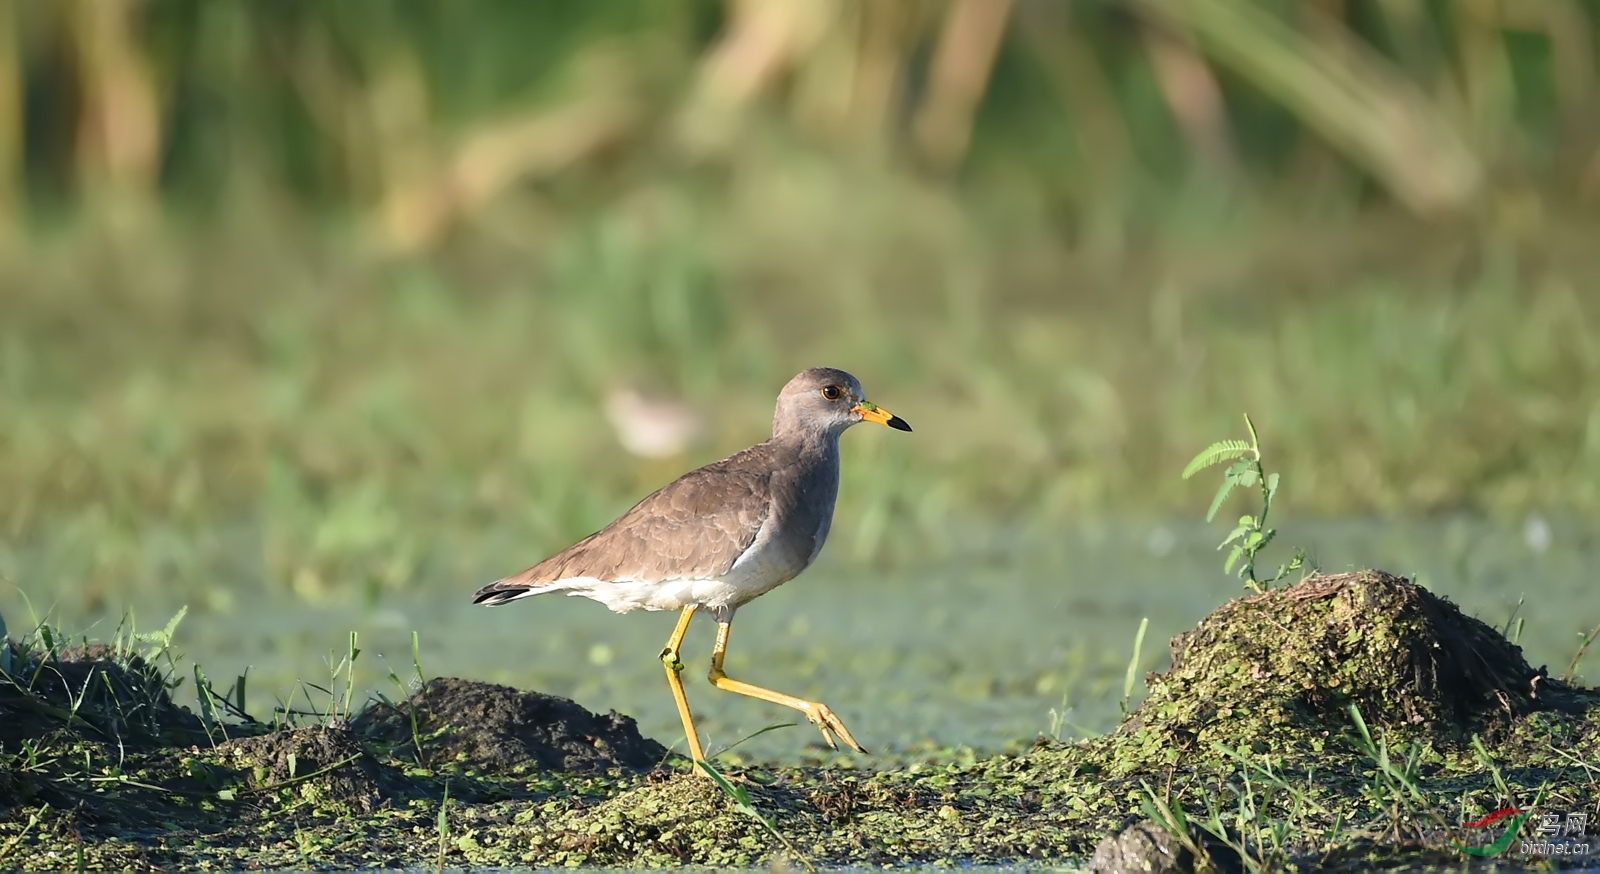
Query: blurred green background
{"points": [[331, 299]]}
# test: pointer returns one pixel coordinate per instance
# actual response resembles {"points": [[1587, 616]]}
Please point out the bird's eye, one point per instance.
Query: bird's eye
{"points": [[832, 392]]}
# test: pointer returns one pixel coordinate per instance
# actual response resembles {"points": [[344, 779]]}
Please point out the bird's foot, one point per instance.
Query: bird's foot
{"points": [[830, 725]]}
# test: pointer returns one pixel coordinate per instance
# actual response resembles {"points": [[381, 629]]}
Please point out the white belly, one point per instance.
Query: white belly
{"points": [[760, 570]]}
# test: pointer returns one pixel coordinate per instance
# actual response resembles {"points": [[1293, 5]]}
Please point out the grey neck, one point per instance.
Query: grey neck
{"points": [[808, 441]]}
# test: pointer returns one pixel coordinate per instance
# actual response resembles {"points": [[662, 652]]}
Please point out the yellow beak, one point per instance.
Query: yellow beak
{"points": [[874, 413]]}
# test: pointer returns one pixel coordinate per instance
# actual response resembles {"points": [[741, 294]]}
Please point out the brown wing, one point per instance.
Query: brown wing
{"points": [[695, 527]]}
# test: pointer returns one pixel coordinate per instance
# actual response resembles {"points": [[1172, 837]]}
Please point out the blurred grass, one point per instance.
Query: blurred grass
{"points": [[266, 406], [417, 115], [320, 294]]}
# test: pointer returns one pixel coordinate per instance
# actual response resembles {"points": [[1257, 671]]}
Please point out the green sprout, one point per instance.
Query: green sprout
{"points": [[1252, 534]]}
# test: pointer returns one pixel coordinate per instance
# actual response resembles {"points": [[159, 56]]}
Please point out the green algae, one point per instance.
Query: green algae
{"points": [[1252, 731]]}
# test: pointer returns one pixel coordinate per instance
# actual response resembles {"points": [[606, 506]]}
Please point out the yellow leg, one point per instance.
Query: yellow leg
{"points": [[670, 660], [818, 713]]}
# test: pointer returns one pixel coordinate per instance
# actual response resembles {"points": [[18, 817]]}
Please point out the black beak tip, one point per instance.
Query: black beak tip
{"points": [[898, 423]]}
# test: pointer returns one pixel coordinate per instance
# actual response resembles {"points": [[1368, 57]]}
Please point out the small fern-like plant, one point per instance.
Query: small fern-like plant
{"points": [[1252, 534]]}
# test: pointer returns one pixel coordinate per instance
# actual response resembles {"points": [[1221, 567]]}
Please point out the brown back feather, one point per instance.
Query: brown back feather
{"points": [[695, 527]]}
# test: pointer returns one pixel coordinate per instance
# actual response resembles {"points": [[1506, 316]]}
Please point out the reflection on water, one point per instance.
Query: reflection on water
{"points": [[974, 646]]}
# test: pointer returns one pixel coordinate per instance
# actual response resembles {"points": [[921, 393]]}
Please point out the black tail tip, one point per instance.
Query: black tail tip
{"points": [[493, 597]]}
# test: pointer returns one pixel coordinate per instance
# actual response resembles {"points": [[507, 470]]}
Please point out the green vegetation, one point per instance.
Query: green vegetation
{"points": [[740, 799], [388, 289], [1252, 534], [338, 411], [419, 117]]}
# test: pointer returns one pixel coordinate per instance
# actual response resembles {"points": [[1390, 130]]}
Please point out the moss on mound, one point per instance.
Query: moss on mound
{"points": [[1279, 671], [326, 767]]}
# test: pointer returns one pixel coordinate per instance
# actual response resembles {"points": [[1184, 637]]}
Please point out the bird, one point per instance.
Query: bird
{"points": [[721, 536]]}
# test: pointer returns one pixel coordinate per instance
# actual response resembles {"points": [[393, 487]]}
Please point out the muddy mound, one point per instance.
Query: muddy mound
{"points": [[324, 766], [1149, 847], [497, 728], [1284, 666], [107, 694]]}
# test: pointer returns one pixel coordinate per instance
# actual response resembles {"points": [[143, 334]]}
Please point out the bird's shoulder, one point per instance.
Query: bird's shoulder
{"points": [[730, 497], [695, 527], [736, 485]]}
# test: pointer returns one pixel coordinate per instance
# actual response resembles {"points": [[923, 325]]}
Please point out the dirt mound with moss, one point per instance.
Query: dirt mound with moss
{"points": [[501, 729], [325, 766], [108, 694], [1283, 668]]}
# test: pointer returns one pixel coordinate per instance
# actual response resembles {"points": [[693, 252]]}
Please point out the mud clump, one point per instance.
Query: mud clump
{"points": [[323, 765], [108, 694], [498, 729], [1283, 667], [1148, 847]]}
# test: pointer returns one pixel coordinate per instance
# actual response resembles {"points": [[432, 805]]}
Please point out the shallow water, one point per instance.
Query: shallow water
{"points": [[974, 646]]}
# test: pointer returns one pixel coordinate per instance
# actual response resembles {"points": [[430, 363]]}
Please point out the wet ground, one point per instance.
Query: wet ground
{"points": [[1002, 634], [1346, 723]]}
